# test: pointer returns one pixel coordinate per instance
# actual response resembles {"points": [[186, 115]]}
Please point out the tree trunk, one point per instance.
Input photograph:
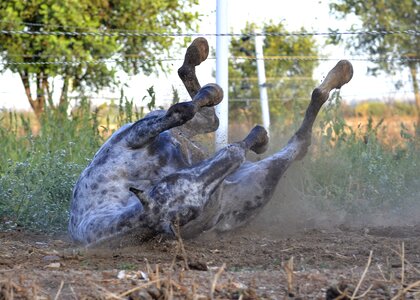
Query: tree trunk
{"points": [[43, 93], [40, 93], [64, 90], [47, 92], [37, 104], [413, 71]]}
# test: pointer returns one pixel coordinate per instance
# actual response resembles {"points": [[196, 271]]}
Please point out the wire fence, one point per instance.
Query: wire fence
{"points": [[84, 31], [168, 99], [412, 32], [81, 28], [69, 31], [266, 58]]}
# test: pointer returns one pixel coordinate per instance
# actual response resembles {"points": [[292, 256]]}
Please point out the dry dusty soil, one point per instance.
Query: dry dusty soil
{"points": [[374, 263]]}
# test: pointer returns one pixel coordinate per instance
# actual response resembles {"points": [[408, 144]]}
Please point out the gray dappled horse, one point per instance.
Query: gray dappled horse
{"points": [[150, 174]]}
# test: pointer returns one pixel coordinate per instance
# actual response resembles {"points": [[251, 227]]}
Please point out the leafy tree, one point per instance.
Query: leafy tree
{"points": [[289, 81], [393, 51], [85, 16]]}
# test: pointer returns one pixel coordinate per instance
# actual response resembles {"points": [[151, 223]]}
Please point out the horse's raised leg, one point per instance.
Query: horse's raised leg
{"points": [[196, 53], [252, 185], [205, 120]]}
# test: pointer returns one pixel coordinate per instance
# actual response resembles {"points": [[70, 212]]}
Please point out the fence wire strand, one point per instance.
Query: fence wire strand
{"points": [[413, 32], [120, 33], [267, 58]]}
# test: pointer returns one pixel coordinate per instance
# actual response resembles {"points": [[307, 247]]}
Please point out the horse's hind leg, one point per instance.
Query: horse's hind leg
{"points": [[205, 120], [184, 194], [196, 53], [252, 185]]}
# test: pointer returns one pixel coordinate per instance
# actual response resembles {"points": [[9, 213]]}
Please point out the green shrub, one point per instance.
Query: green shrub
{"points": [[377, 109], [35, 192], [404, 109], [381, 109], [38, 172], [356, 172]]}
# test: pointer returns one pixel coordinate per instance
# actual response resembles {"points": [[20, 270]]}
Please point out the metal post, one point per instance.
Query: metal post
{"points": [[222, 51], [259, 41]]}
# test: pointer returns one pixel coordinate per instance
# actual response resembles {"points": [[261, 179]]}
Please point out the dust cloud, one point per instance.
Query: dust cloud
{"points": [[290, 211]]}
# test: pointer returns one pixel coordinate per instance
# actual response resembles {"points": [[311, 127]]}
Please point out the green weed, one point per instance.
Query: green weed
{"points": [[38, 171], [127, 266], [355, 171]]}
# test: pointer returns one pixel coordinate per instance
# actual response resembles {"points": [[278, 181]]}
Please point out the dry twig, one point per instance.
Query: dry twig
{"points": [[402, 256], [215, 279], [354, 295], [108, 294], [59, 290], [288, 267], [157, 277], [145, 285], [180, 244], [407, 289], [406, 261]]}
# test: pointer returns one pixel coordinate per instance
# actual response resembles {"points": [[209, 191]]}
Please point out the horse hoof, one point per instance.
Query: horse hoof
{"points": [[209, 95], [257, 140]]}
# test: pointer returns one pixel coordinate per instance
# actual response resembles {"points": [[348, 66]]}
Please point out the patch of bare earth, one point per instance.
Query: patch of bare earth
{"points": [[373, 263]]}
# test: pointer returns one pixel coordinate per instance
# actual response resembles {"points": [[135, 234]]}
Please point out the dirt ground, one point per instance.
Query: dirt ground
{"points": [[311, 264]]}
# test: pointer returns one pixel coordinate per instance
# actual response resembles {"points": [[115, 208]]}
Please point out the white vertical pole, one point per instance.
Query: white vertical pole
{"points": [[259, 41], [222, 51]]}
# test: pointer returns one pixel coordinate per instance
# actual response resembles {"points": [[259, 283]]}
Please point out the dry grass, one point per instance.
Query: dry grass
{"points": [[390, 127], [344, 291], [170, 284]]}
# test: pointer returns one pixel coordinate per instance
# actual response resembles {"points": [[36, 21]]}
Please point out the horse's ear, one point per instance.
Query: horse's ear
{"points": [[141, 195]]}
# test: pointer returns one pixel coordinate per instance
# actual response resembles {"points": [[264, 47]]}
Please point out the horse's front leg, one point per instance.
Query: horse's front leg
{"points": [[184, 195], [178, 114]]}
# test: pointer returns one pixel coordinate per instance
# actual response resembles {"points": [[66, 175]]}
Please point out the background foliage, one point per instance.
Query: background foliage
{"points": [[38, 171], [289, 82], [86, 16], [392, 51], [354, 170]]}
